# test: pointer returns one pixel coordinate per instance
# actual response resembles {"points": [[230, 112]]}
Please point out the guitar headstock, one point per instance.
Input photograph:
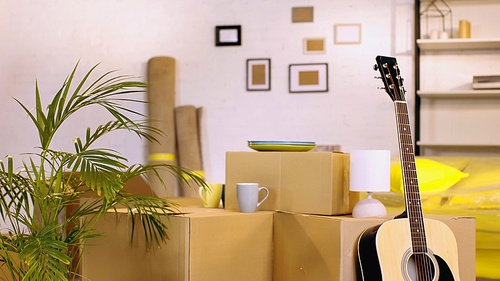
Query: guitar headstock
{"points": [[390, 75]]}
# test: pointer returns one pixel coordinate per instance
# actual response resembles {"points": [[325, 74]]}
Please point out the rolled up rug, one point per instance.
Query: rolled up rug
{"points": [[161, 98], [188, 146]]}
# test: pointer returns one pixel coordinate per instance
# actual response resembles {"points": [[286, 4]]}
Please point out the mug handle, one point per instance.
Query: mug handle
{"points": [[267, 194], [200, 192]]}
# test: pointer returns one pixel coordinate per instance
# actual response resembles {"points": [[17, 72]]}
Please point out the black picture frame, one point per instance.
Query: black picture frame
{"points": [[223, 40], [263, 81]]}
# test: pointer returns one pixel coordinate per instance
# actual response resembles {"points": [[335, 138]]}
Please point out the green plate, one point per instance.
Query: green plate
{"points": [[281, 145]]}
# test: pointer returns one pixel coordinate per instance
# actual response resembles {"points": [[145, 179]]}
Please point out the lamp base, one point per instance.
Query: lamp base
{"points": [[369, 207]]}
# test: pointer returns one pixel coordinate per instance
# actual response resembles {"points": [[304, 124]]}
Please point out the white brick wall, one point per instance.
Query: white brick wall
{"points": [[44, 40]]}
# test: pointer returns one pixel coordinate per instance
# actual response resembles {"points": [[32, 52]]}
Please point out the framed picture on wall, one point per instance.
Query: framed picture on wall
{"points": [[347, 33], [228, 35], [314, 46], [308, 78], [258, 74], [302, 14]]}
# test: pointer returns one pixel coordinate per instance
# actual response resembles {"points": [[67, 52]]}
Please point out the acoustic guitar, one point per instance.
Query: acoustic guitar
{"points": [[408, 247]]}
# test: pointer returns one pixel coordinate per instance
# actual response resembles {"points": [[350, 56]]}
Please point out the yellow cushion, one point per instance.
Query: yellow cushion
{"points": [[432, 176]]}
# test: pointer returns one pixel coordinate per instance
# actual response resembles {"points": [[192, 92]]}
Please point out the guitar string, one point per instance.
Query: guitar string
{"points": [[419, 241], [423, 268], [417, 208], [410, 176], [409, 195], [413, 195]]}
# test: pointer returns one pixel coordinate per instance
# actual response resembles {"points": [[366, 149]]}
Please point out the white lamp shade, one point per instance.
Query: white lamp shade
{"points": [[370, 171]]}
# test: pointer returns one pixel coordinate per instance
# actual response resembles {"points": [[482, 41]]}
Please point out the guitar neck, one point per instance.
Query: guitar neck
{"points": [[410, 180]]}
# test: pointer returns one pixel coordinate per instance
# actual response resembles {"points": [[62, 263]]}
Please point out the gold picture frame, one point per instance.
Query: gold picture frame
{"points": [[302, 14], [347, 33], [314, 46]]}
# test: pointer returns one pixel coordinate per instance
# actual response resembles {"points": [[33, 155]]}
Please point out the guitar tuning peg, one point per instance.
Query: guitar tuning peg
{"points": [[381, 88], [377, 77], [375, 67]]}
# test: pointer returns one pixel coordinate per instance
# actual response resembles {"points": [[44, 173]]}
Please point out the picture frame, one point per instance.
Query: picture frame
{"points": [[347, 33], [314, 46], [228, 35], [302, 14], [308, 78], [258, 74]]}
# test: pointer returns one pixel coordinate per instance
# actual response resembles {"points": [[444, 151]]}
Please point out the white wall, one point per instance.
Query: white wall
{"points": [[44, 39]]}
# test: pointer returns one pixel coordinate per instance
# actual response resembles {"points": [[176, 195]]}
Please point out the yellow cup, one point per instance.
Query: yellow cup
{"points": [[463, 29], [211, 198]]}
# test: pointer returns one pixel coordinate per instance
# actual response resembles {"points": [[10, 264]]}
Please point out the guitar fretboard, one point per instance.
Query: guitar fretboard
{"points": [[410, 181]]}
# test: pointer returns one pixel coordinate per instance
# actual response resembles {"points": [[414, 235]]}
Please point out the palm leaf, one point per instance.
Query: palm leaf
{"points": [[43, 254], [63, 106], [149, 211]]}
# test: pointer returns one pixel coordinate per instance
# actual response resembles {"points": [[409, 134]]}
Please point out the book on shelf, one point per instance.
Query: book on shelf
{"points": [[485, 82]]}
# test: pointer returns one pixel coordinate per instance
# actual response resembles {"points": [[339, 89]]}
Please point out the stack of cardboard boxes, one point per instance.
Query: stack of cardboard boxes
{"points": [[301, 232]]}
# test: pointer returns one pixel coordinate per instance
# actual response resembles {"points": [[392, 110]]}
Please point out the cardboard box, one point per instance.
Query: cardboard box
{"points": [[316, 248], [204, 245], [302, 182], [186, 201]]}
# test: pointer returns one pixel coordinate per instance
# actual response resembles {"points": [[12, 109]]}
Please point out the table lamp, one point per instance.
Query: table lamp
{"points": [[370, 171]]}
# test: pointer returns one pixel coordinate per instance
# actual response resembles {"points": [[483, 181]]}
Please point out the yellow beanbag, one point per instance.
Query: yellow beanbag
{"points": [[432, 176]]}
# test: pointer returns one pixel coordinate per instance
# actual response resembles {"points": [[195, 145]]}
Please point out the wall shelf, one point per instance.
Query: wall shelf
{"points": [[436, 144], [459, 94], [458, 44]]}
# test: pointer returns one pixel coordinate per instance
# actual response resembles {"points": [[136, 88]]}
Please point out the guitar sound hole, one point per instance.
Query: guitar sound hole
{"points": [[420, 267]]}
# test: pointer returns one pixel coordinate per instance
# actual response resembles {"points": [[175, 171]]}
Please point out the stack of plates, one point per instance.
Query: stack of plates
{"points": [[281, 145]]}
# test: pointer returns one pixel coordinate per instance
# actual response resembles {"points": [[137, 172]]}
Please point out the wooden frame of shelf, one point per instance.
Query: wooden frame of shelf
{"points": [[458, 44]]}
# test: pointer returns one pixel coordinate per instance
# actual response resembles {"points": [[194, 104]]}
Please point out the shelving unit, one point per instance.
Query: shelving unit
{"points": [[452, 119]]}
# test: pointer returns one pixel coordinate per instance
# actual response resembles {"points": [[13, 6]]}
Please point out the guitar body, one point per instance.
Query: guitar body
{"points": [[385, 252]]}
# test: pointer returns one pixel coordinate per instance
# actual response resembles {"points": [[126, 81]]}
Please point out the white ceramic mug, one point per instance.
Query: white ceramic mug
{"points": [[248, 196]]}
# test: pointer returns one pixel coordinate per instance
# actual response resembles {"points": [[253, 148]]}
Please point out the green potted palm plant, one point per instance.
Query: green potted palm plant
{"points": [[44, 241]]}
